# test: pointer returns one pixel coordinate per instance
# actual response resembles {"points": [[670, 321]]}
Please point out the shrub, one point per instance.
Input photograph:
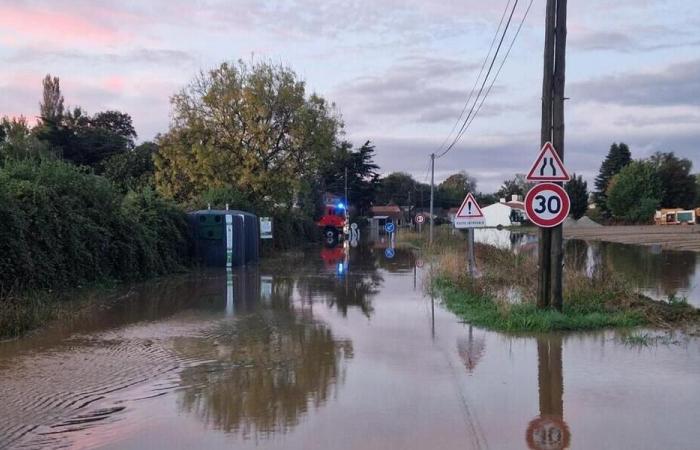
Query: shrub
{"points": [[63, 226]]}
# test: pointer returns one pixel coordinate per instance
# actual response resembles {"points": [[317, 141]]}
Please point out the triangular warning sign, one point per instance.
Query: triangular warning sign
{"points": [[548, 166], [469, 209]]}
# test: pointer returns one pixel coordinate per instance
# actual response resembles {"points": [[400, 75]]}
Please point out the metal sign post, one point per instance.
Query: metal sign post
{"points": [[470, 216]]}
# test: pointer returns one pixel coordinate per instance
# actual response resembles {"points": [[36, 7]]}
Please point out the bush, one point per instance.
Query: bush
{"points": [[635, 192], [63, 226]]}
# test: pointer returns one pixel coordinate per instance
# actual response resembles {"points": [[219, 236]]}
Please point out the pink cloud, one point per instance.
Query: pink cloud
{"points": [[21, 24]]}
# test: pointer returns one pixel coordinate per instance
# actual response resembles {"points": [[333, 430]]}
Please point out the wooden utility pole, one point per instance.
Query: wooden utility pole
{"points": [[557, 263], [432, 188], [545, 244]]}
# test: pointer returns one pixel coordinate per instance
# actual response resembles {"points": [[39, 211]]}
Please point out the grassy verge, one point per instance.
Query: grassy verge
{"points": [[502, 296], [29, 310]]}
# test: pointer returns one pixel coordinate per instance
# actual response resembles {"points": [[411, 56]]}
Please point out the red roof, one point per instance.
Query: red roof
{"points": [[516, 205], [388, 209]]}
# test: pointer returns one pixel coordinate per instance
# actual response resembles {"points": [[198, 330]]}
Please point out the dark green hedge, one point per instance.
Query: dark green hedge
{"points": [[61, 226]]}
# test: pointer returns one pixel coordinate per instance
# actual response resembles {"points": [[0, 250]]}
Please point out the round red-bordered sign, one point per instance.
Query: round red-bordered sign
{"points": [[547, 205], [548, 433]]}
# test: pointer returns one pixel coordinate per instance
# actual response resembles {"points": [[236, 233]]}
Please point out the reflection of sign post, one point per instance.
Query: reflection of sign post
{"points": [[389, 253], [548, 433], [265, 228]]}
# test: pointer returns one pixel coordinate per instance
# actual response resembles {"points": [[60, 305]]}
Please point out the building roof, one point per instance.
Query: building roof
{"points": [[388, 209], [516, 205]]}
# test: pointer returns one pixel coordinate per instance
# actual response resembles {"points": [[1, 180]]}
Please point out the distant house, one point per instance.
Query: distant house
{"points": [[383, 214], [505, 213]]}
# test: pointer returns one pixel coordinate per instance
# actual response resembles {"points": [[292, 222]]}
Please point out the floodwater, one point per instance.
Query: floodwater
{"points": [[325, 349], [656, 273]]}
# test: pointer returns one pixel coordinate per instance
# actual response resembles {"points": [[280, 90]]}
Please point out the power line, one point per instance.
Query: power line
{"points": [[476, 81], [505, 57], [483, 84]]}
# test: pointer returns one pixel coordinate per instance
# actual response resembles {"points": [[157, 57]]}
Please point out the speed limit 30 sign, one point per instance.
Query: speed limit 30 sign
{"points": [[547, 205]]}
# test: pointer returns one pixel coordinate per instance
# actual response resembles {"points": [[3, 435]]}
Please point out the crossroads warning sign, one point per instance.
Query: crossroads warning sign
{"points": [[469, 214], [548, 166]]}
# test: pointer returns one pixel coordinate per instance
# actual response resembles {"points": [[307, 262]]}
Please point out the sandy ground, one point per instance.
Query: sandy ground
{"points": [[673, 237]]}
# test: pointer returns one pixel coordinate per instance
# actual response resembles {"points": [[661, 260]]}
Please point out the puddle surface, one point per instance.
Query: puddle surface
{"points": [[325, 349]]}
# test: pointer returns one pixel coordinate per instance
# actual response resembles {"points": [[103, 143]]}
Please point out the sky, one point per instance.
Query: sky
{"points": [[399, 71]]}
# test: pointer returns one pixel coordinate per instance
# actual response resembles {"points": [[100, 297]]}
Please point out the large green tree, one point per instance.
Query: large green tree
{"points": [[514, 186], [618, 157], [634, 194], [247, 126], [363, 180], [577, 188], [677, 182], [77, 137], [454, 189], [132, 170]]}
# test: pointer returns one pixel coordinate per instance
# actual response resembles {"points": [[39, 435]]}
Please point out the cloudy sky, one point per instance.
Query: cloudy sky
{"points": [[398, 70]]}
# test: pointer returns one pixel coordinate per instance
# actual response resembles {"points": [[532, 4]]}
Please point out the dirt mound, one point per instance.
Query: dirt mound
{"points": [[586, 221]]}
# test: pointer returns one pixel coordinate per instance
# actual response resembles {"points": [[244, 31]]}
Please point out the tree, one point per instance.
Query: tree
{"points": [[634, 194], [116, 122], [17, 141], [132, 170], [250, 127], [577, 188], [515, 186], [398, 188], [76, 136], [697, 189], [677, 182], [618, 157], [51, 107], [454, 189], [363, 180]]}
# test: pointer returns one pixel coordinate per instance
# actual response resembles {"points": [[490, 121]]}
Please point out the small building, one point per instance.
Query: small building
{"points": [[505, 213], [388, 213], [677, 216]]}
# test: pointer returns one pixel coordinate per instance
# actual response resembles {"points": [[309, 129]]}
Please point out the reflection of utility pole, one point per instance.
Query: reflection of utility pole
{"points": [[549, 376], [549, 429]]}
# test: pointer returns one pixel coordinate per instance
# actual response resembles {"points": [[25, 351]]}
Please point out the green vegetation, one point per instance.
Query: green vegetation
{"points": [[502, 296], [635, 192], [577, 188], [630, 191], [65, 227]]}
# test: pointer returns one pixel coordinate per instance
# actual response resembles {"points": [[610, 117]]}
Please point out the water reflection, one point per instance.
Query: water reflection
{"points": [[549, 430], [260, 372], [661, 274], [471, 349]]}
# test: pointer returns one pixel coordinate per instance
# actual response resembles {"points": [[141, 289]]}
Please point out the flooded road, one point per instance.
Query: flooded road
{"points": [[323, 350]]}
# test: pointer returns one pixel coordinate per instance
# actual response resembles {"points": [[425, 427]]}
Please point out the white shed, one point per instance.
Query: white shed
{"points": [[504, 213]]}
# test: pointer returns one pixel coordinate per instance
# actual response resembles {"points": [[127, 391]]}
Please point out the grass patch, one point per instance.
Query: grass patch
{"points": [[503, 296], [489, 312], [29, 310]]}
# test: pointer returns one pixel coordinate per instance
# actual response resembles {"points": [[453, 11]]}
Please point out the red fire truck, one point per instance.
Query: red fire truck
{"points": [[333, 221]]}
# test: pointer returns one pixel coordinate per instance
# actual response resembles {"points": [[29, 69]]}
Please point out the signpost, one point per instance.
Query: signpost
{"points": [[547, 205], [548, 433], [420, 219], [470, 216], [265, 228], [548, 166], [389, 252], [389, 227]]}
